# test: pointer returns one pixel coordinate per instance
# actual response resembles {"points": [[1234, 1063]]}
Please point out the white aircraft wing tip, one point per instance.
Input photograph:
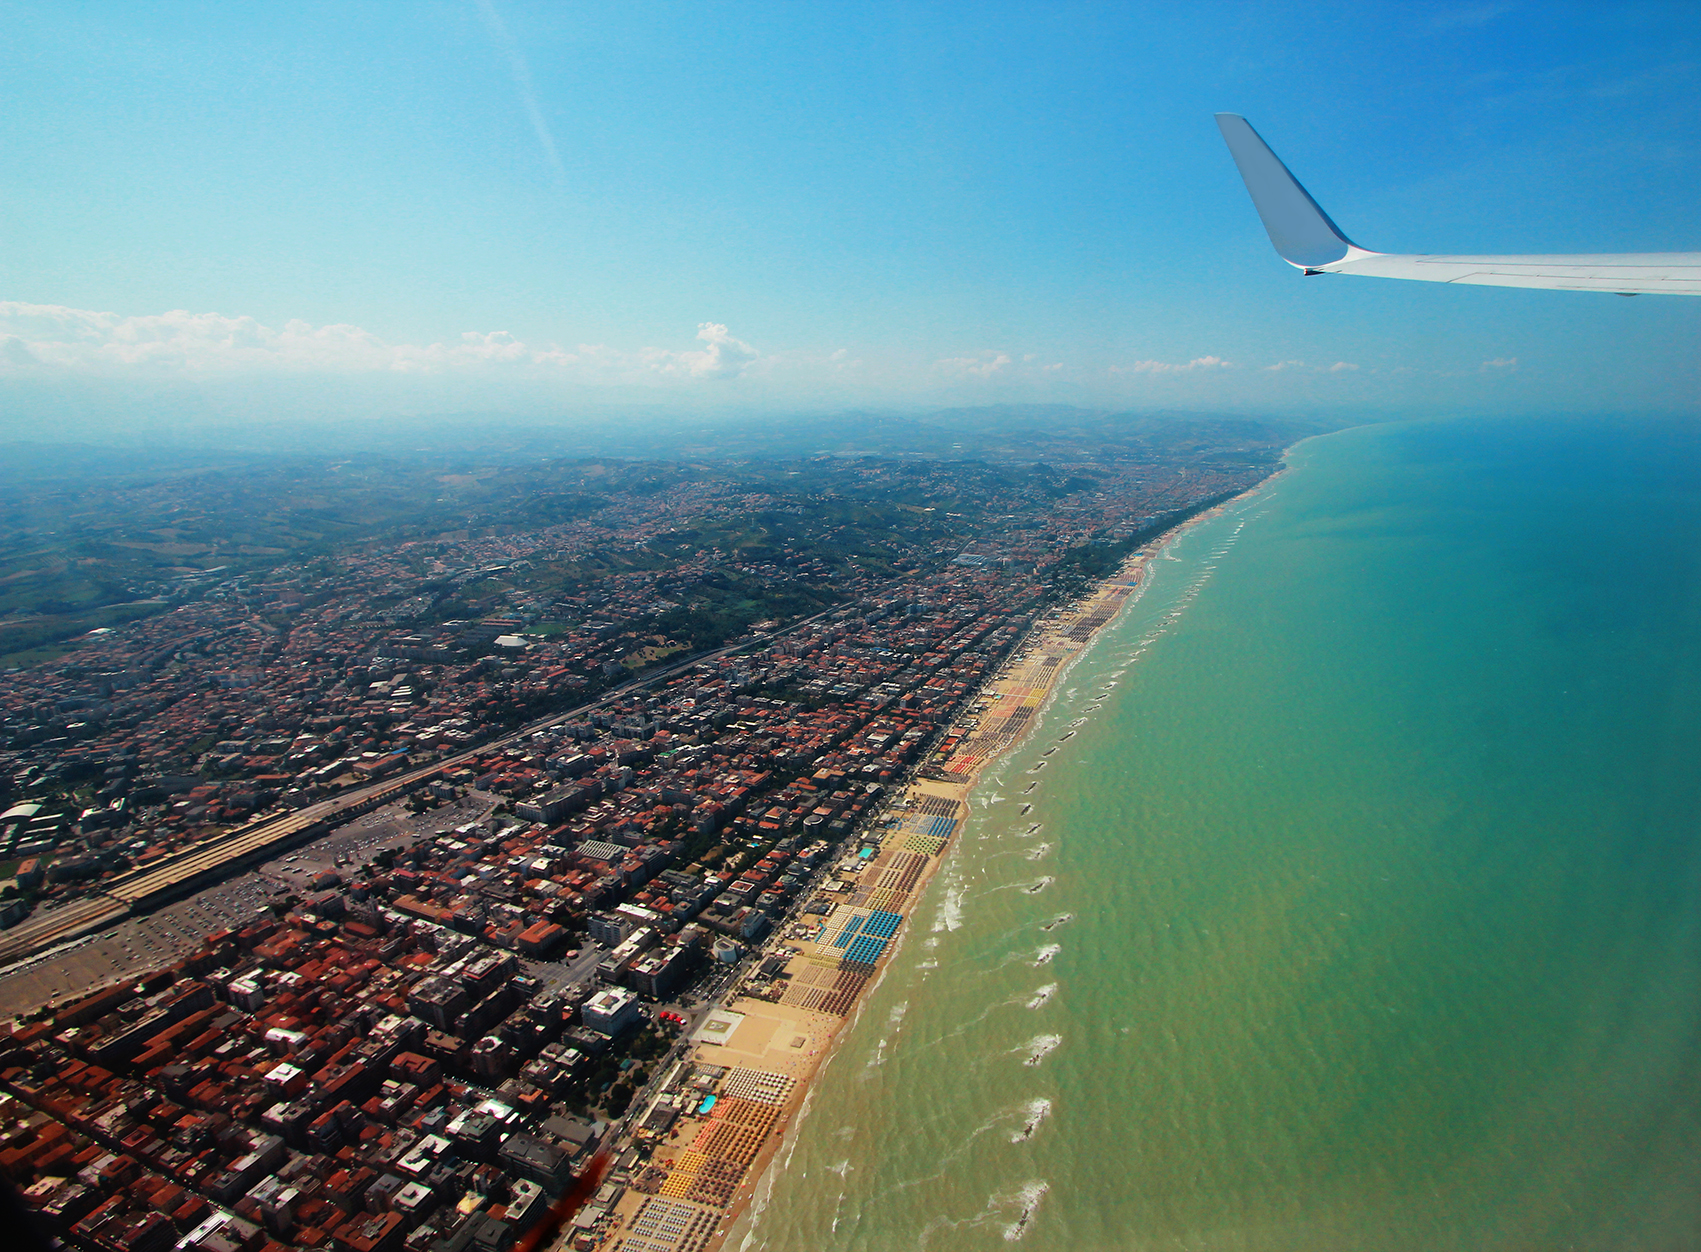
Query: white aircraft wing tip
{"points": [[1307, 239], [1303, 234]]}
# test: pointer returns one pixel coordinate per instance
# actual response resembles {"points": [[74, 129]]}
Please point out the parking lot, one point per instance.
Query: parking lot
{"points": [[139, 945]]}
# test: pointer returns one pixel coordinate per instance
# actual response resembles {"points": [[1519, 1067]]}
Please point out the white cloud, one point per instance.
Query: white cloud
{"points": [[1507, 363], [985, 365], [725, 357], [988, 363], [523, 84], [1168, 367], [37, 336], [1339, 367]]}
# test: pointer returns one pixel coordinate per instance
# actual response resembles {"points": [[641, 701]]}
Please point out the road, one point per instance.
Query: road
{"points": [[554, 975]]}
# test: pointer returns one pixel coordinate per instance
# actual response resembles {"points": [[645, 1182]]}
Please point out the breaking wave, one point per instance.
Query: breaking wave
{"points": [[1032, 1116], [950, 915], [1028, 1197], [1038, 1048]]}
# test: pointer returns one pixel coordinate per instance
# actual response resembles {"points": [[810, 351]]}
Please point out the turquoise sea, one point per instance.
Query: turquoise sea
{"points": [[1363, 909]]}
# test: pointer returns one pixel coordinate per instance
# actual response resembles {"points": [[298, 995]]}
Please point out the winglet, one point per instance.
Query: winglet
{"points": [[1302, 232]]}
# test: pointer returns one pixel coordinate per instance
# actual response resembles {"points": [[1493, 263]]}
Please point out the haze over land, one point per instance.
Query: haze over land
{"points": [[93, 536]]}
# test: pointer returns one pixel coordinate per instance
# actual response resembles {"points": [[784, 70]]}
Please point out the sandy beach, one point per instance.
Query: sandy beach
{"points": [[752, 1060]]}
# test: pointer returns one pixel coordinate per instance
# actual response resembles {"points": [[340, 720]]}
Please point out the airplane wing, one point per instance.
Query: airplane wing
{"points": [[1308, 240]]}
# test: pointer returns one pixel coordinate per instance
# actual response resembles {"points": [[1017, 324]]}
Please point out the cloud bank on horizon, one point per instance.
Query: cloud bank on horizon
{"points": [[42, 344], [197, 345], [183, 346]]}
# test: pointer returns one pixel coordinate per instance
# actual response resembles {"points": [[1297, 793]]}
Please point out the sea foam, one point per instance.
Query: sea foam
{"points": [[1038, 1048], [1028, 1197], [1032, 1116], [950, 915]]}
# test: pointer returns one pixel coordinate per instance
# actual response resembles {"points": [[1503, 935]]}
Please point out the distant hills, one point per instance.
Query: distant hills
{"points": [[1012, 432]]}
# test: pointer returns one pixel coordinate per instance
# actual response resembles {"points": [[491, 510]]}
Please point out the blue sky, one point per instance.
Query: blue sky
{"points": [[537, 207]]}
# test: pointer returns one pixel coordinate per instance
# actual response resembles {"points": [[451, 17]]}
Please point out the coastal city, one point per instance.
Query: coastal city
{"points": [[490, 886], [840, 627]]}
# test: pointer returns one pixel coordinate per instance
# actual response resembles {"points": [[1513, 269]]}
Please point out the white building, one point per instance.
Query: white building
{"points": [[611, 1011]]}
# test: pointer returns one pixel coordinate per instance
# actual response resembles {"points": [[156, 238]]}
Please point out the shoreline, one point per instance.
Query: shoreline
{"points": [[772, 1039]]}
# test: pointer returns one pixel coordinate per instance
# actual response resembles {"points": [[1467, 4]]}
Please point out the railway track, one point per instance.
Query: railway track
{"points": [[141, 889]]}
